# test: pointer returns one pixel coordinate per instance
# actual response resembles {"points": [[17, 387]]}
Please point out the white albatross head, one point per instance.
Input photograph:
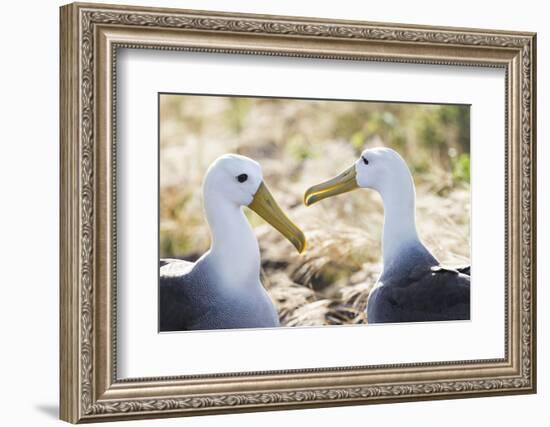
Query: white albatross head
{"points": [[385, 171], [233, 178], [380, 169], [238, 180]]}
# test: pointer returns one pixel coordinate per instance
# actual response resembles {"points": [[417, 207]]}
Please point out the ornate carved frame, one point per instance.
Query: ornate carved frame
{"points": [[90, 36]]}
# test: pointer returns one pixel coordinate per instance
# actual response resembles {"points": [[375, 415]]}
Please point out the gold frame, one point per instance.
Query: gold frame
{"points": [[90, 36]]}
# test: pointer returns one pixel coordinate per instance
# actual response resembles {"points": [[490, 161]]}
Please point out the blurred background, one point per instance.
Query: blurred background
{"points": [[298, 144]]}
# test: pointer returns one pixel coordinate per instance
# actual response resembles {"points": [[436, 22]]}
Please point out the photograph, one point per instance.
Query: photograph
{"points": [[286, 212]]}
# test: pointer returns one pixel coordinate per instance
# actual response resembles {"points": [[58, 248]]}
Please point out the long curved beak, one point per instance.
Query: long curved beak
{"points": [[342, 183], [265, 205]]}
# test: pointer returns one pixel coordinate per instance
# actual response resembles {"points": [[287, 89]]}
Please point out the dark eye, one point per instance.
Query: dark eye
{"points": [[242, 177], [365, 161]]}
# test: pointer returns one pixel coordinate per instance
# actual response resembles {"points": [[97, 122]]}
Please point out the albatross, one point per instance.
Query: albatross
{"points": [[222, 289], [413, 286]]}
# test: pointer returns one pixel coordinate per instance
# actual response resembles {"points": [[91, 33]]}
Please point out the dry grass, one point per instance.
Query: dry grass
{"points": [[298, 144]]}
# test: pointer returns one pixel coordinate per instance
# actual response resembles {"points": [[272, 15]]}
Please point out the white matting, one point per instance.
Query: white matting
{"points": [[143, 352]]}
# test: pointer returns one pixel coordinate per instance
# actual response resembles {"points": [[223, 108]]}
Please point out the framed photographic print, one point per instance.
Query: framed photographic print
{"points": [[265, 212]]}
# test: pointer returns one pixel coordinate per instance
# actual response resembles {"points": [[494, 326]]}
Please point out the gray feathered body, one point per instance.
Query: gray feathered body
{"points": [[416, 288], [192, 297]]}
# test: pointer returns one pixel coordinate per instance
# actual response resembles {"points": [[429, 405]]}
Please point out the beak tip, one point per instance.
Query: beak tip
{"points": [[309, 198], [301, 244]]}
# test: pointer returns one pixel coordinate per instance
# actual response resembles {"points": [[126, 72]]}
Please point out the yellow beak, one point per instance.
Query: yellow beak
{"points": [[342, 183], [265, 205]]}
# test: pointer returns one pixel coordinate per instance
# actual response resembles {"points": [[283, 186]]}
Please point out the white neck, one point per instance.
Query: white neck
{"points": [[234, 252], [399, 219]]}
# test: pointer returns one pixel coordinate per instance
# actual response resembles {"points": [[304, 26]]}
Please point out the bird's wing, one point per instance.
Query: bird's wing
{"points": [[175, 294], [440, 294], [464, 269], [190, 299]]}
